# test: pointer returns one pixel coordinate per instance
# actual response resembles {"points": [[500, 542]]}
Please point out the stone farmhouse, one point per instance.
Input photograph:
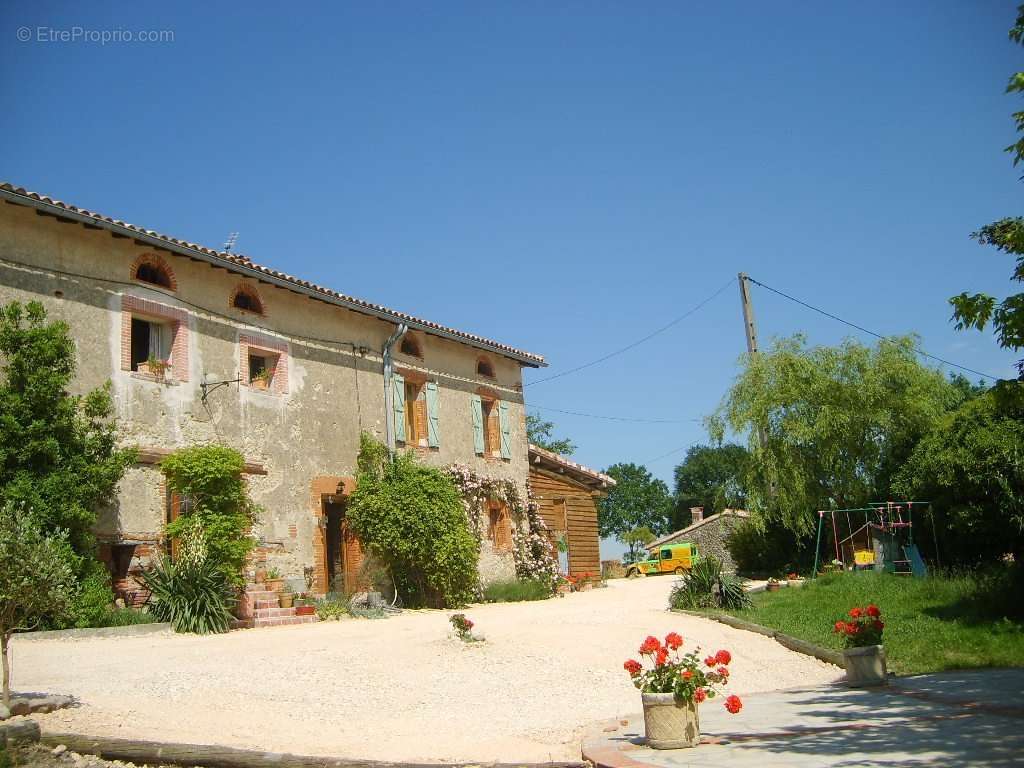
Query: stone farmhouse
{"points": [[208, 346], [710, 534]]}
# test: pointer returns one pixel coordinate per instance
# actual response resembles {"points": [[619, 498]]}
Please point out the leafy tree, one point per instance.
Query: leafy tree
{"points": [[36, 580], [637, 500], [209, 478], [837, 423], [636, 541], [58, 454], [971, 467], [539, 432], [710, 477], [1007, 235], [412, 518]]}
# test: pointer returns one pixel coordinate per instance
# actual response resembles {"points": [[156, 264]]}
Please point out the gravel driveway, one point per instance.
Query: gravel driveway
{"points": [[399, 689]]}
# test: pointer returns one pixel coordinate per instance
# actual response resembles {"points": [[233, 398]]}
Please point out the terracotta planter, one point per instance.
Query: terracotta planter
{"points": [[259, 384], [865, 666], [274, 585], [773, 586], [261, 575], [305, 610], [287, 599], [668, 723]]}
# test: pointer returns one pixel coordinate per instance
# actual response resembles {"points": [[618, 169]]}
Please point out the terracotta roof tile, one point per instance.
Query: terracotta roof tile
{"points": [[241, 260], [568, 464]]}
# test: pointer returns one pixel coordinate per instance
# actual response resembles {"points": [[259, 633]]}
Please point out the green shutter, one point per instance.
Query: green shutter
{"points": [[478, 424], [433, 432], [506, 430], [398, 392]]}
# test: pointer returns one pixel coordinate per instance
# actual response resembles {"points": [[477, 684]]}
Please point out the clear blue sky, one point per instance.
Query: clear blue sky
{"points": [[565, 177]]}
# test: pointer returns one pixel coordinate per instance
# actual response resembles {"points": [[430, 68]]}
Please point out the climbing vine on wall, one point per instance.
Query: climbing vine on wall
{"points": [[534, 558]]}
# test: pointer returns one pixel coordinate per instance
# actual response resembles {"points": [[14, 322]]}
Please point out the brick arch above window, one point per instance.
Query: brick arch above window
{"points": [[153, 269], [411, 346], [247, 299]]}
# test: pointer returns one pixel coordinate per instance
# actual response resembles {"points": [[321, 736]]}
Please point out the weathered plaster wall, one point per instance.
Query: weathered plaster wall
{"points": [[334, 390]]}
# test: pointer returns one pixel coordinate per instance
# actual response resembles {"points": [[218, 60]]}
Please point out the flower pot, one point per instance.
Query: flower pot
{"points": [[261, 575], [274, 585], [305, 610], [259, 384], [773, 586], [865, 666], [286, 598], [668, 723]]}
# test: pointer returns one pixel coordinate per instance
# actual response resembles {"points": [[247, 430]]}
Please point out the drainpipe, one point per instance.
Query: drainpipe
{"points": [[389, 395]]}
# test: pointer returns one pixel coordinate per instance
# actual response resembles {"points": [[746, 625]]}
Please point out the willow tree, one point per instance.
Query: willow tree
{"points": [[829, 426]]}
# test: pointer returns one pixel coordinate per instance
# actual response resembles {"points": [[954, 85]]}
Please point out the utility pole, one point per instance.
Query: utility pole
{"points": [[749, 325], [750, 329]]}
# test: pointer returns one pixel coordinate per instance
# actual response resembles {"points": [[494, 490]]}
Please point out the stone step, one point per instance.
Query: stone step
{"points": [[261, 595], [275, 603], [277, 621], [267, 613]]}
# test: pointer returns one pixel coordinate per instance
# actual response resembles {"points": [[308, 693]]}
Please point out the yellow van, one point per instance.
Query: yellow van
{"points": [[670, 558]]}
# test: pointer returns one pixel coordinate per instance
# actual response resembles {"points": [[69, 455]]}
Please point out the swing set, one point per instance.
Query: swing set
{"points": [[884, 541]]}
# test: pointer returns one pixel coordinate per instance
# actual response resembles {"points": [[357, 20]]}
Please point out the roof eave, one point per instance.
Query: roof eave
{"points": [[157, 241]]}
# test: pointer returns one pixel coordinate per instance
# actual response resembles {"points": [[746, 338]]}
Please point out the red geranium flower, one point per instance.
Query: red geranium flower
{"points": [[723, 671], [723, 657], [674, 640], [699, 695], [661, 657], [733, 704], [633, 667], [686, 674], [650, 645], [710, 661], [840, 626], [855, 613], [879, 625], [873, 612]]}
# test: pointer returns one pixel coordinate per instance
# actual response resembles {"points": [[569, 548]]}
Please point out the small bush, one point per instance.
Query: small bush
{"points": [[125, 617], [707, 586], [93, 599], [517, 590], [331, 607]]}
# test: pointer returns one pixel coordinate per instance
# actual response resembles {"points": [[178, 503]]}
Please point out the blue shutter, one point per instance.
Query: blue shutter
{"points": [[398, 393], [478, 424], [506, 430], [433, 432]]}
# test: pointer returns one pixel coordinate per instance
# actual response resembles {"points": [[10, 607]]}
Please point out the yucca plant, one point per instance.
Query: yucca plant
{"points": [[707, 586], [194, 594]]}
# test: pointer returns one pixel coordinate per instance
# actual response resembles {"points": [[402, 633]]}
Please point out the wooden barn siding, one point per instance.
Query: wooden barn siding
{"points": [[581, 512]]}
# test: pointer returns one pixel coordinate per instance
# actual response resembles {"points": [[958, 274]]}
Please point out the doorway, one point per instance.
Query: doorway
{"points": [[344, 553]]}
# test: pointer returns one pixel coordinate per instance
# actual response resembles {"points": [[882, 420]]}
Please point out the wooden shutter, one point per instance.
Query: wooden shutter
{"points": [[477, 407], [398, 393], [433, 431], [506, 430]]}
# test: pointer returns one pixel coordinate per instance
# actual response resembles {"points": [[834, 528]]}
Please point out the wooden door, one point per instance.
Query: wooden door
{"points": [[352, 558]]}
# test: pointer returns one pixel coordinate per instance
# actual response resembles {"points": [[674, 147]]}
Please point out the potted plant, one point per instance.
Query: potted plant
{"points": [[793, 576], [864, 655], [673, 685], [304, 605], [773, 585], [287, 597], [564, 586], [260, 380], [154, 367], [274, 581]]}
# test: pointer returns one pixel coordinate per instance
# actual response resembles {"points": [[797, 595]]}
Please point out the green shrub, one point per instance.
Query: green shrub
{"points": [[516, 590], [411, 517], [331, 607], [93, 599], [195, 594], [705, 585], [125, 617], [210, 478], [769, 551]]}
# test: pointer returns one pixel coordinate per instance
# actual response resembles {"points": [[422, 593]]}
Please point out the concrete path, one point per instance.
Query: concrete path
{"points": [[947, 719]]}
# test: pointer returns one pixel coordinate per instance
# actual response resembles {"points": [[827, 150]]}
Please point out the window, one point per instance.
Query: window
{"points": [[499, 529], [150, 268], [177, 505], [247, 300], [154, 339], [415, 414], [151, 344], [263, 363], [492, 434], [411, 347], [415, 403], [666, 554], [485, 368]]}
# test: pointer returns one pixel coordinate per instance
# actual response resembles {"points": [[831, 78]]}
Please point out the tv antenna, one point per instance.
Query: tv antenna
{"points": [[232, 239]]}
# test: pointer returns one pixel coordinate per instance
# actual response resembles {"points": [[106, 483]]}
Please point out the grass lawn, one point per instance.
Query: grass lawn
{"points": [[931, 624]]}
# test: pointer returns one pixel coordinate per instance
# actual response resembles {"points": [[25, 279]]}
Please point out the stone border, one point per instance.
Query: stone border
{"points": [[19, 732], [130, 630], [792, 643], [211, 756]]}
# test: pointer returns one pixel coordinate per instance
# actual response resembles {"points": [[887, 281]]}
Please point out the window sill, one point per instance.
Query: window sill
{"points": [[269, 391], [152, 378]]}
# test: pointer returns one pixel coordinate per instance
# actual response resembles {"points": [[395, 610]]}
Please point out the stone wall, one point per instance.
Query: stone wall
{"points": [[711, 537]]}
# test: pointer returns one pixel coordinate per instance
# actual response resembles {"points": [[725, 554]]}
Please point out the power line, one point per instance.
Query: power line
{"points": [[862, 329], [666, 455], [612, 418], [638, 342]]}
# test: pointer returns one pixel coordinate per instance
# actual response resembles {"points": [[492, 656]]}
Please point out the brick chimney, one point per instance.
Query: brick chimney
{"points": [[697, 513]]}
